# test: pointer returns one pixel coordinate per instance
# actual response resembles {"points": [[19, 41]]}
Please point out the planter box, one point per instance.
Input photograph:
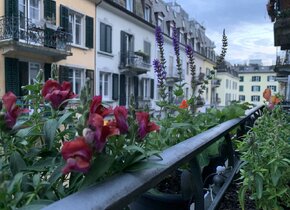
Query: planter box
{"points": [[282, 33]]}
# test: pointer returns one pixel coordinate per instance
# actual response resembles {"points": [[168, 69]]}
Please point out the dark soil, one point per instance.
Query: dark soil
{"points": [[230, 201]]}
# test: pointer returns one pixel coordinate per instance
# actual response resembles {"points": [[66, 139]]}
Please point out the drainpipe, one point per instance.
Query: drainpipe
{"points": [[288, 89], [97, 3]]}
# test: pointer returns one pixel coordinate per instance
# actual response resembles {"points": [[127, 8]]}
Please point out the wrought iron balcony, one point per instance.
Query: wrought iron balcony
{"points": [[215, 82], [283, 64], [133, 64], [172, 76], [23, 35]]}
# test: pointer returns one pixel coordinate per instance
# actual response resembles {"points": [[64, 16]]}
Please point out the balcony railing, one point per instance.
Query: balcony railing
{"points": [[119, 191], [283, 63], [29, 32], [173, 76], [131, 63], [215, 82]]}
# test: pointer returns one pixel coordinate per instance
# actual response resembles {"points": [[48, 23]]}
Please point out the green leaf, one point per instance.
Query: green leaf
{"points": [[49, 130], [64, 117], [134, 148], [15, 184], [36, 180], [242, 193], [17, 164], [259, 186], [100, 166], [275, 176]]}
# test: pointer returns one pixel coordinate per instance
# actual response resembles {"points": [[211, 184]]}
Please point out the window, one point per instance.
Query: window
{"points": [[271, 78], [129, 5], [272, 87], [147, 51], [105, 38], [34, 9], [241, 88], [241, 78], [147, 13], [242, 98], [186, 93], [256, 78], [187, 68], [256, 88], [76, 27], [255, 98], [227, 83], [146, 93], [76, 77], [33, 71], [105, 81]]}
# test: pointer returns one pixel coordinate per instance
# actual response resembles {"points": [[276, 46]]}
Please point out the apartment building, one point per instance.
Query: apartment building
{"points": [[253, 80], [228, 89], [36, 33], [126, 47]]}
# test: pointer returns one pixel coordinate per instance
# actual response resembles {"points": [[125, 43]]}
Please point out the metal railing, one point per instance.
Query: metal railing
{"points": [[119, 191], [28, 31], [132, 60]]}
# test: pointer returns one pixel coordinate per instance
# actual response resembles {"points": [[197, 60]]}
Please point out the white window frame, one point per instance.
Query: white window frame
{"points": [[243, 97], [147, 13], [73, 79], [271, 78], [73, 15], [129, 5], [31, 77], [146, 88], [255, 98], [272, 87], [105, 79], [256, 78], [256, 88]]}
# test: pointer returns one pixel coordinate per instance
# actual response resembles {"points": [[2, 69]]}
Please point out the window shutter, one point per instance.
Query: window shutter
{"points": [[90, 76], [64, 17], [136, 87], [123, 49], [49, 9], [47, 71], [12, 76], [11, 8], [63, 74], [102, 37], [142, 89], [152, 89], [122, 100], [89, 32], [23, 77], [115, 88], [109, 38], [49, 38]]}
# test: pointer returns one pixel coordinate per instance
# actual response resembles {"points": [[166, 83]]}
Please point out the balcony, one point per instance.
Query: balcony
{"points": [[21, 36], [215, 82], [133, 64], [282, 33], [172, 76], [283, 64]]}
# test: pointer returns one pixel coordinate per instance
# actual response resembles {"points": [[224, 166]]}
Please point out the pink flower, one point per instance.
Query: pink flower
{"points": [[12, 110], [121, 116], [77, 154], [145, 126], [56, 94]]}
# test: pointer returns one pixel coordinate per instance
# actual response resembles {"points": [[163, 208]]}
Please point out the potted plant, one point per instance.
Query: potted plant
{"points": [[54, 148]]}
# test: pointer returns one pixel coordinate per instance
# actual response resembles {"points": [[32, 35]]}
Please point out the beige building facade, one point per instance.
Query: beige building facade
{"points": [[37, 33]]}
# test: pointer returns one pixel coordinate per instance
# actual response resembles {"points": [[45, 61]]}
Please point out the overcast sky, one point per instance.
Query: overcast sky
{"points": [[247, 25]]}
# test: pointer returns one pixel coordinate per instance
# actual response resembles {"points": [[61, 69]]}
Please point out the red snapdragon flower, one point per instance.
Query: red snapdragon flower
{"points": [[98, 132], [77, 154], [183, 104], [145, 126], [12, 110], [97, 107], [56, 94], [121, 116]]}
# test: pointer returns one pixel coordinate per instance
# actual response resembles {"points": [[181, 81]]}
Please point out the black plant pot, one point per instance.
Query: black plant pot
{"points": [[170, 194], [155, 200]]}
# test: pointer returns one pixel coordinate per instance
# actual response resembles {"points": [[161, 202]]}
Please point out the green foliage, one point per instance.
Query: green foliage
{"points": [[266, 152]]}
